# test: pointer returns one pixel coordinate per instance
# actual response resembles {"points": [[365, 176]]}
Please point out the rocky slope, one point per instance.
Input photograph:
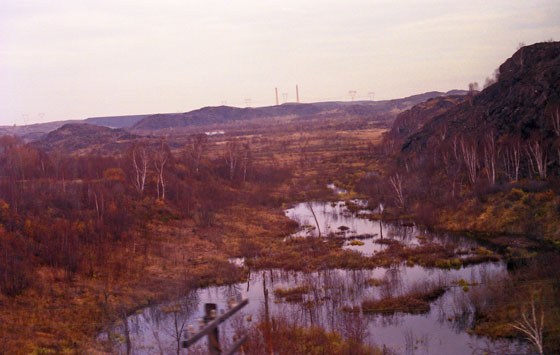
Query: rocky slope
{"points": [[78, 136], [519, 104], [412, 120]]}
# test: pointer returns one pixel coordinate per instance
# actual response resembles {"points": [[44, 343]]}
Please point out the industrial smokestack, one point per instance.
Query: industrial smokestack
{"points": [[297, 94], [276, 89]]}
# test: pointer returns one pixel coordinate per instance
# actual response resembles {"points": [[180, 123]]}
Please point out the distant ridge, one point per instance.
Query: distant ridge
{"points": [[74, 137], [384, 110], [115, 121], [213, 115]]}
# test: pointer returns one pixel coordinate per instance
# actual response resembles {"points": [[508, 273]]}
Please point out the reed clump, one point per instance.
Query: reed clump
{"points": [[416, 302]]}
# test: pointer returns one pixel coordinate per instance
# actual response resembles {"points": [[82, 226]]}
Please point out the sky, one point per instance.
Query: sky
{"points": [[73, 59]]}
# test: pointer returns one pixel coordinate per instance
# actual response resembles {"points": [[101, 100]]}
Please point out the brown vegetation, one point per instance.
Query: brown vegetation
{"points": [[294, 294], [283, 338], [416, 302], [87, 237]]}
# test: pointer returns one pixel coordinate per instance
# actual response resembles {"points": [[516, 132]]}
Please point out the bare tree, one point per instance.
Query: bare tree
{"points": [[310, 205], [126, 332], [245, 159], [473, 90], [231, 156], [396, 182], [470, 159], [195, 149], [532, 324], [161, 157], [98, 200], [179, 312], [179, 322], [512, 159], [490, 156], [140, 161], [455, 146], [554, 112], [538, 157]]}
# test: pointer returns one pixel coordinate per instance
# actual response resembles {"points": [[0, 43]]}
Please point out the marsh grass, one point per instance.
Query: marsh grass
{"points": [[414, 302], [294, 294]]}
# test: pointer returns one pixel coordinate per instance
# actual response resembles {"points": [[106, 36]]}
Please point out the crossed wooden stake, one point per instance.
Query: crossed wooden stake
{"points": [[210, 328]]}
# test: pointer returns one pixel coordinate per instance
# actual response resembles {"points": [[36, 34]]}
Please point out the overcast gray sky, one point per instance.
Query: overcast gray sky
{"points": [[71, 59]]}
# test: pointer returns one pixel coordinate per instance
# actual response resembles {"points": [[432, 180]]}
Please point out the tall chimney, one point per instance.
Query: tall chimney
{"points": [[297, 94], [276, 89]]}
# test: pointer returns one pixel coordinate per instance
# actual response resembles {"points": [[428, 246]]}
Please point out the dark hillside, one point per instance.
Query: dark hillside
{"points": [[115, 121], [491, 162], [518, 104], [369, 110], [413, 119], [74, 137]]}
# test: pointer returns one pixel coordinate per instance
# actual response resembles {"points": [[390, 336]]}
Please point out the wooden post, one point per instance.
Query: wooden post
{"points": [[212, 321], [266, 315], [210, 310], [126, 333]]}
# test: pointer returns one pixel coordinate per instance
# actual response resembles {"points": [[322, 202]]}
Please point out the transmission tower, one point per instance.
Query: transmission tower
{"points": [[284, 97], [248, 102], [371, 95], [352, 94]]}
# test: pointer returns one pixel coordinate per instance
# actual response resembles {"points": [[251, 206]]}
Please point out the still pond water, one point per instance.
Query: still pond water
{"points": [[442, 330]]}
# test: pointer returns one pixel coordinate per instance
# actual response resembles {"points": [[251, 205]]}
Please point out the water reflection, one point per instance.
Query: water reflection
{"points": [[441, 330], [336, 219], [329, 294]]}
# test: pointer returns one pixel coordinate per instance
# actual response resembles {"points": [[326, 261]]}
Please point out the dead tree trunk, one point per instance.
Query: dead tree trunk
{"points": [[161, 158], [470, 159], [538, 157], [490, 153], [512, 160], [532, 325], [396, 182], [310, 205], [231, 157], [140, 162]]}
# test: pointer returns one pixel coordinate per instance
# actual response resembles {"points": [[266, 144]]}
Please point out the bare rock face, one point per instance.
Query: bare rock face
{"points": [[413, 119]]}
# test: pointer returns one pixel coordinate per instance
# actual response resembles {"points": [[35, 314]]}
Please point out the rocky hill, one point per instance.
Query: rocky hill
{"points": [[37, 131], [519, 104], [33, 131], [115, 121], [75, 137], [412, 120]]}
